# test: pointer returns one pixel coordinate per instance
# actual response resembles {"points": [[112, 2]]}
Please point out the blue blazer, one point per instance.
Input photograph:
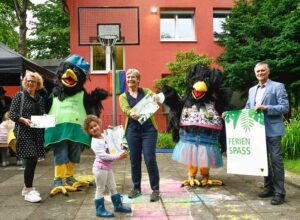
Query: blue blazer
{"points": [[276, 98]]}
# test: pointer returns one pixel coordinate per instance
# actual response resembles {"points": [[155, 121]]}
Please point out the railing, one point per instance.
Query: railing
{"points": [[160, 118]]}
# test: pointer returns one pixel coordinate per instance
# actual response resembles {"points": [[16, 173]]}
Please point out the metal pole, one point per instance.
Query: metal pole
{"points": [[114, 103]]}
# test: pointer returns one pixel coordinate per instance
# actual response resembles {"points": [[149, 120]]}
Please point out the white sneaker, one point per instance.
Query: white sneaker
{"points": [[24, 192], [32, 197]]}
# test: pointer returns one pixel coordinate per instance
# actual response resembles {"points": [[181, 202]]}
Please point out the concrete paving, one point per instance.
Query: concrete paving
{"points": [[237, 199]]}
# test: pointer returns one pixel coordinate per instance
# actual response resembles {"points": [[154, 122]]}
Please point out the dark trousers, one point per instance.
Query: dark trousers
{"points": [[275, 178], [143, 141], [30, 165]]}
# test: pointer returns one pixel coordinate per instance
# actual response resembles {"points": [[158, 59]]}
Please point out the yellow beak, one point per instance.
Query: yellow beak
{"points": [[199, 89], [69, 78]]}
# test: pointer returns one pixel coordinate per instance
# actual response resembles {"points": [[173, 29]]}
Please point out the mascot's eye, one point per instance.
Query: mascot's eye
{"points": [[67, 66], [76, 70]]}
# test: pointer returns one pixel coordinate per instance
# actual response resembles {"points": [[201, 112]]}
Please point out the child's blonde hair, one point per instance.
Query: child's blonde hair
{"points": [[88, 120]]}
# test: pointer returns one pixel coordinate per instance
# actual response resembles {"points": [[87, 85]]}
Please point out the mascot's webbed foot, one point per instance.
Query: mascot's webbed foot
{"points": [[191, 182], [63, 190], [58, 188], [211, 182], [72, 182], [86, 179]]}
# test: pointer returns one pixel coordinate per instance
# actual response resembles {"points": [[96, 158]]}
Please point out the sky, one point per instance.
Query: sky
{"points": [[29, 15], [37, 1]]}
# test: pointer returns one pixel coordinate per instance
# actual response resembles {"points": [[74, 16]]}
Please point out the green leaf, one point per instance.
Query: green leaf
{"points": [[247, 121], [258, 116]]}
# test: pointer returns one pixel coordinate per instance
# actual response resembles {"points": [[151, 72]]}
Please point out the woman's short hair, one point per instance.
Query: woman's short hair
{"points": [[36, 76], [88, 120], [135, 72]]}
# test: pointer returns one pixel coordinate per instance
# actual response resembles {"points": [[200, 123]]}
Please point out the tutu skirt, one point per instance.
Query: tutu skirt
{"points": [[199, 150]]}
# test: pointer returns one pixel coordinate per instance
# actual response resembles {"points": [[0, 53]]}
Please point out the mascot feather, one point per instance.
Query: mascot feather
{"points": [[70, 104], [196, 123]]}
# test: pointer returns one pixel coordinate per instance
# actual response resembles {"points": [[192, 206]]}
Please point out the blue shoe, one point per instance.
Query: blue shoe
{"points": [[117, 202], [100, 209]]}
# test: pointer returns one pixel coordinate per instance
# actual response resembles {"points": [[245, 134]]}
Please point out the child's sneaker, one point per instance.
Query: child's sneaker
{"points": [[5, 163], [32, 197]]}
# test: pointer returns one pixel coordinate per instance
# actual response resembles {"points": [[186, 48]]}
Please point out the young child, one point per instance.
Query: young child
{"points": [[5, 126], [102, 168]]}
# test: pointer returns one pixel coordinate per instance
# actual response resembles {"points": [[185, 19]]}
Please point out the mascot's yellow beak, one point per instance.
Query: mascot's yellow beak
{"points": [[69, 78], [199, 89]]}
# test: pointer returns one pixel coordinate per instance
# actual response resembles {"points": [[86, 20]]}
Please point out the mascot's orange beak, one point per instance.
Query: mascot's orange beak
{"points": [[199, 89], [69, 78]]}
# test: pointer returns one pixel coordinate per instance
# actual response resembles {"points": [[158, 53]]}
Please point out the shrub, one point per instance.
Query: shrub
{"points": [[165, 141], [291, 140], [185, 61]]}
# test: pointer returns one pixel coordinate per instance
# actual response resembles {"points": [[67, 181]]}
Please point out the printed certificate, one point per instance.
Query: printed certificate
{"points": [[114, 139], [145, 108], [42, 121]]}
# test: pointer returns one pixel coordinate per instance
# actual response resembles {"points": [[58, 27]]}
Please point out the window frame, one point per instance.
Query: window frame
{"points": [[108, 61], [225, 12], [176, 14]]}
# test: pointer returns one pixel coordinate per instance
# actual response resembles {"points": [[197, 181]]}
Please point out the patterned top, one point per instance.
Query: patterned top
{"points": [[203, 116], [31, 140]]}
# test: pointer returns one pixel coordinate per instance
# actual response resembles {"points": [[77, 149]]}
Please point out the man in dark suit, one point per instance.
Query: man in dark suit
{"points": [[272, 98], [4, 103]]}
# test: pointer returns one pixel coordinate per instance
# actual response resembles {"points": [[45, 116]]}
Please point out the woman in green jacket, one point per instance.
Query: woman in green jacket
{"points": [[140, 138]]}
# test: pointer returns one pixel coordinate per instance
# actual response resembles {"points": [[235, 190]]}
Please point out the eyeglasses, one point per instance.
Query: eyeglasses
{"points": [[31, 81]]}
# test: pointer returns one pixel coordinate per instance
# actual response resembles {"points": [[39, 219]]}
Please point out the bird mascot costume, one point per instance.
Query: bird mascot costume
{"points": [[70, 104], [196, 123]]}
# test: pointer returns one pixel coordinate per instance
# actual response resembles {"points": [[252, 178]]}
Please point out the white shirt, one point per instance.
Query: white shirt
{"points": [[259, 94]]}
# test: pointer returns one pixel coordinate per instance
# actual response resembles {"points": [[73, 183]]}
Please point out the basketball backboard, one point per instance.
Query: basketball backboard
{"points": [[94, 22]]}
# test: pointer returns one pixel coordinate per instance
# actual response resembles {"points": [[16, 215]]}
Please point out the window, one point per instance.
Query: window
{"points": [[219, 18], [101, 59], [177, 25]]}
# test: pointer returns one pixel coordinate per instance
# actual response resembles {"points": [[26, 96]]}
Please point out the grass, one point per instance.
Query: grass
{"points": [[291, 140], [165, 141], [292, 166]]}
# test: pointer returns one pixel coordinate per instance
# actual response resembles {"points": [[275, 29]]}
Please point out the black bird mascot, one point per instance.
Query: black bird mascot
{"points": [[70, 104], [196, 123]]}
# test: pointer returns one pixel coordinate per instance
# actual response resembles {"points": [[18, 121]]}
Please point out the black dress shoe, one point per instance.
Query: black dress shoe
{"points": [[266, 193], [278, 199]]}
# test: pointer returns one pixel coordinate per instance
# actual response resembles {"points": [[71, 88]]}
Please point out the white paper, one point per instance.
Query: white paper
{"points": [[161, 97], [145, 108], [246, 144], [114, 139], [42, 121]]}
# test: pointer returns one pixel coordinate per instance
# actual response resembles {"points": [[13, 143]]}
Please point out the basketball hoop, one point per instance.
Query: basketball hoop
{"points": [[107, 40]]}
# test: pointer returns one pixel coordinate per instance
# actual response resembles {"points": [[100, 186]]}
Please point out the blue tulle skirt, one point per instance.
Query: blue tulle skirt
{"points": [[199, 150]]}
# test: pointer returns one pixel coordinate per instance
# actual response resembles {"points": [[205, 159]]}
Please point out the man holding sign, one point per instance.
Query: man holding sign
{"points": [[272, 98]]}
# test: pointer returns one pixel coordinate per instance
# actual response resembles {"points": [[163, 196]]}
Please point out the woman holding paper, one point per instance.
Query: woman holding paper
{"points": [[141, 138], [29, 140]]}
